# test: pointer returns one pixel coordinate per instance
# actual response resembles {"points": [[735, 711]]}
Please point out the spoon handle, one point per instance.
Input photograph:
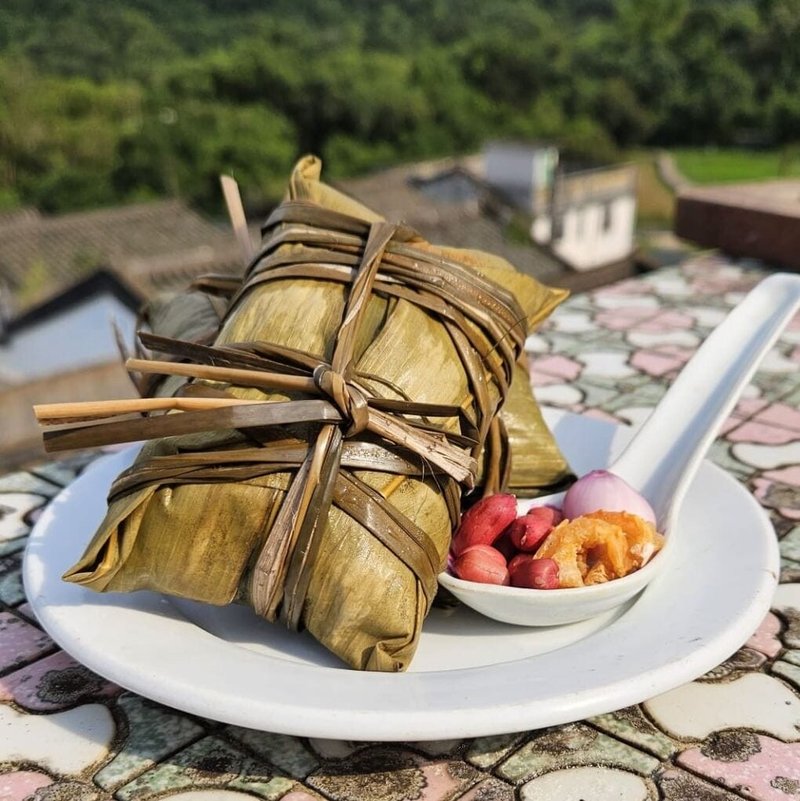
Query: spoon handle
{"points": [[664, 455]]}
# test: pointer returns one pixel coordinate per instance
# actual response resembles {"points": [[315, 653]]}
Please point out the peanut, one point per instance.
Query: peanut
{"points": [[483, 564], [505, 545], [538, 574], [483, 523], [528, 531]]}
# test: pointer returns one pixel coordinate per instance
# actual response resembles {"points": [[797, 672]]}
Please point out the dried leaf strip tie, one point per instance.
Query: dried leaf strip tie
{"points": [[354, 428]]}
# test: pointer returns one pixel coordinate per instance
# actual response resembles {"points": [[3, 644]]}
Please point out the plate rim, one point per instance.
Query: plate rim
{"points": [[469, 718]]}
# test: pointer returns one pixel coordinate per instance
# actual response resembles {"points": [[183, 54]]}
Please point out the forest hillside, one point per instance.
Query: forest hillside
{"points": [[116, 102]]}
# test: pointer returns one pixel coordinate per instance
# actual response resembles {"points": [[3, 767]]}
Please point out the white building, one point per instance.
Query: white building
{"points": [[587, 217], [73, 330]]}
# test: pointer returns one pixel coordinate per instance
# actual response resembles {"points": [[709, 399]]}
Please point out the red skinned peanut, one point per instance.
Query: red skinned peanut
{"points": [[535, 574], [483, 564], [504, 544], [528, 531], [553, 511], [484, 522]]}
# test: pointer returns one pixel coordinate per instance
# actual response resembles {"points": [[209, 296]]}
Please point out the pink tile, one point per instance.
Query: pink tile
{"points": [[442, 782], [666, 321], [55, 682], [544, 379], [655, 363], [777, 496], [787, 475], [624, 318], [399, 773], [559, 366], [765, 639], [20, 642], [675, 350], [21, 784], [760, 767], [728, 426], [599, 414], [781, 414], [747, 407], [629, 287], [752, 431]]}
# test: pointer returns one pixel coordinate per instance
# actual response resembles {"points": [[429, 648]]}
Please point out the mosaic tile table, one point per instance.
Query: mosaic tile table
{"points": [[66, 733]]}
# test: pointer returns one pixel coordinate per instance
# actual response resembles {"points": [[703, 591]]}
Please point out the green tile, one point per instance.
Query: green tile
{"points": [[287, 753], [153, 733], [59, 473], [789, 564], [633, 727], [788, 671], [8, 547], [721, 453], [595, 395], [572, 745], [484, 752], [790, 545], [11, 589], [490, 789], [208, 764], [25, 482]]}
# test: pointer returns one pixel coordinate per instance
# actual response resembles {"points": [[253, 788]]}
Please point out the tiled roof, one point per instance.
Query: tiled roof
{"points": [[152, 245], [481, 222], [163, 245]]}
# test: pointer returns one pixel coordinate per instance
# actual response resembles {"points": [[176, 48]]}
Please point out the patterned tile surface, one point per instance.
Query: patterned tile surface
{"points": [[734, 733]]}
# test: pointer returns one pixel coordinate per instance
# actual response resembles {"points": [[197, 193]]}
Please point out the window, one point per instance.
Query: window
{"points": [[606, 217], [580, 223]]}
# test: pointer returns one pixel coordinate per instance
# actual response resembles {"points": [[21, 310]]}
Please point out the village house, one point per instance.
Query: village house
{"points": [[585, 215], [565, 224], [71, 287]]}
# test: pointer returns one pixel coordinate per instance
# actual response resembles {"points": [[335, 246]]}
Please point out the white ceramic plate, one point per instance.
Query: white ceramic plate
{"points": [[471, 676]]}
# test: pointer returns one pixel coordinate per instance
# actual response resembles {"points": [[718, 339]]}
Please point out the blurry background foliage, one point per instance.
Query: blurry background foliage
{"points": [[108, 103]]}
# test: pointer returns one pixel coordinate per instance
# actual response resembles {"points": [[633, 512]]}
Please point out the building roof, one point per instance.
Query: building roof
{"points": [[162, 245], [482, 220], [152, 245], [99, 281], [778, 197]]}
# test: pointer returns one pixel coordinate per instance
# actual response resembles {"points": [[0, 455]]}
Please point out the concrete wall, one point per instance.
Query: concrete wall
{"points": [[760, 221], [523, 172], [77, 336], [595, 234], [593, 218], [20, 436]]}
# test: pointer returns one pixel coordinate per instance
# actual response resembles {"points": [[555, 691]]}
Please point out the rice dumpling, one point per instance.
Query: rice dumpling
{"points": [[351, 395]]}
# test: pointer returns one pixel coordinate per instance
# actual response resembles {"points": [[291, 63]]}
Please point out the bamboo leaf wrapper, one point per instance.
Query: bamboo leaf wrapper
{"points": [[338, 520]]}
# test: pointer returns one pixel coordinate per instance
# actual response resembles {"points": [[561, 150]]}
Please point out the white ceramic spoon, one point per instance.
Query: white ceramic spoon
{"points": [[662, 458]]}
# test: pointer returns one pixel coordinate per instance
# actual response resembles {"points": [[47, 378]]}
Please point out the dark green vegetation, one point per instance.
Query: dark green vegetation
{"points": [[109, 102]]}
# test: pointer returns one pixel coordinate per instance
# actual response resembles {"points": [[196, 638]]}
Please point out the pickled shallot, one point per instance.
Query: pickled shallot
{"points": [[602, 489]]}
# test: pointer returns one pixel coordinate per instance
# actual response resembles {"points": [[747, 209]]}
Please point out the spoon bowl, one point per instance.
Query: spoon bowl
{"points": [[527, 607], [661, 460]]}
